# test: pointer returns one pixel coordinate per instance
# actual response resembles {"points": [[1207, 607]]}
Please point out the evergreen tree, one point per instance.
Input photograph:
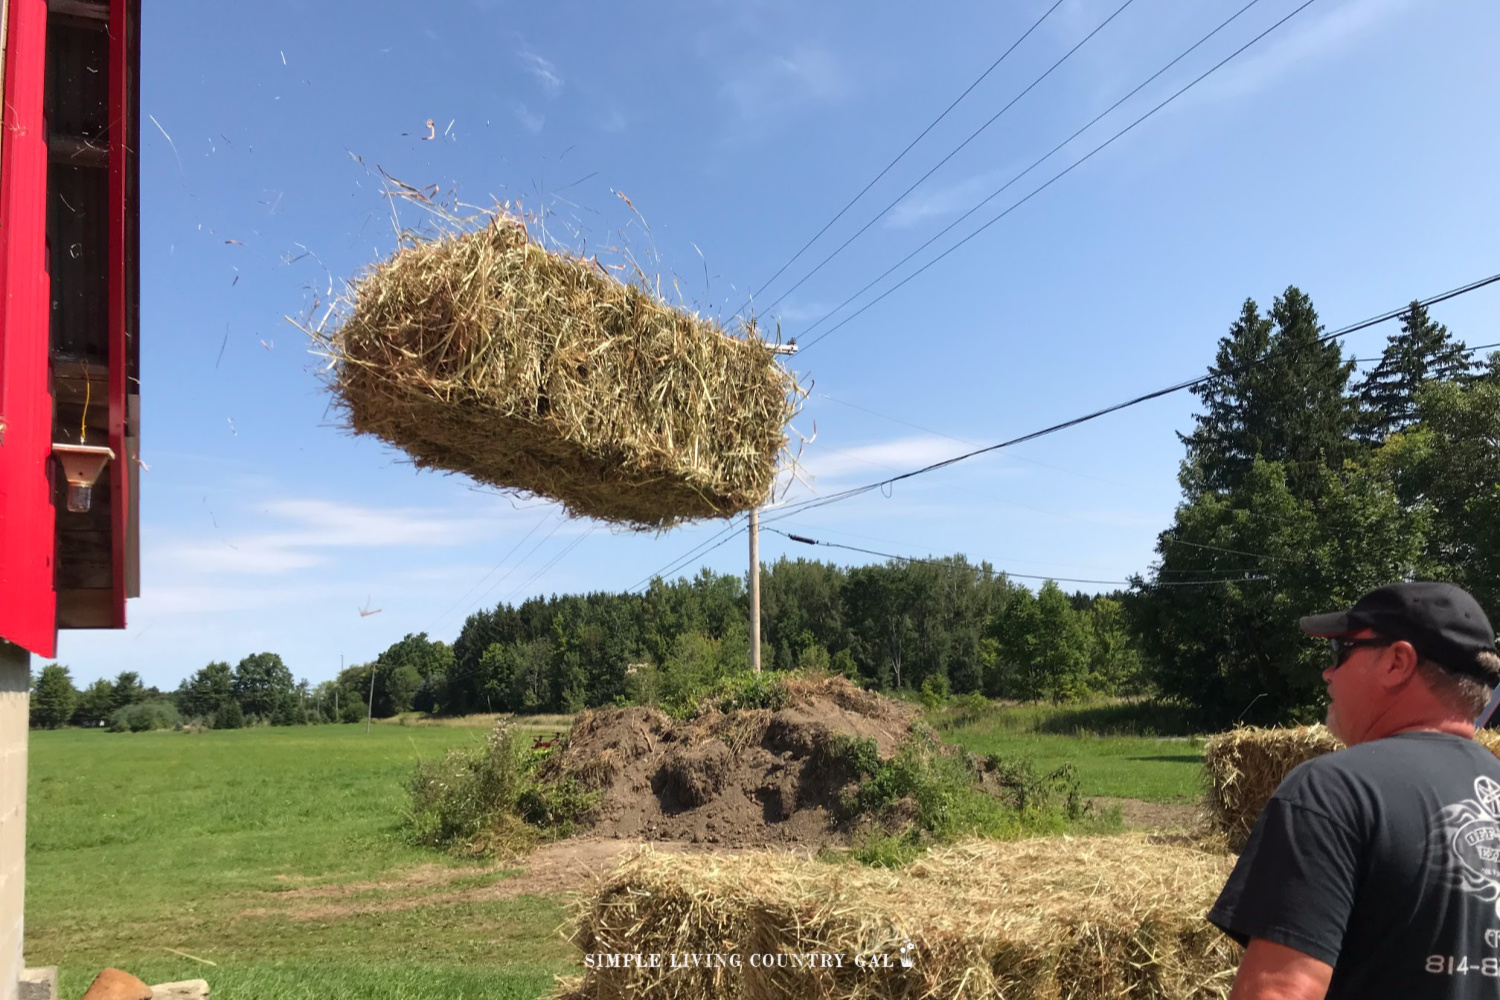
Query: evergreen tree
{"points": [[1275, 393], [54, 698], [229, 716], [128, 690], [1423, 351]]}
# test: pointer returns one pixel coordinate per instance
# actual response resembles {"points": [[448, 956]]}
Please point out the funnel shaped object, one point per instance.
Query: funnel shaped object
{"points": [[82, 464]]}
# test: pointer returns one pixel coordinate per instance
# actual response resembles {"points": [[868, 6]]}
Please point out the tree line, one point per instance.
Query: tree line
{"points": [[1303, 486]]}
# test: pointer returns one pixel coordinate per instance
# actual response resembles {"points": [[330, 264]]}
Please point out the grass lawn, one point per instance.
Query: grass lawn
{"points": [[142, 843], [1156, 769], [226, 846]]}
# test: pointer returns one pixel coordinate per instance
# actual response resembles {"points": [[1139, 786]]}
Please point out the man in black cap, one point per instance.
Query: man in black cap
{"points": [[1375, 871]]}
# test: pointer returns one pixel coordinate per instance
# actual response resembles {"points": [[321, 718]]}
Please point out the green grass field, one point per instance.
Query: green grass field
{"points": [[226, 846], [1153, 768], [142, 843]]}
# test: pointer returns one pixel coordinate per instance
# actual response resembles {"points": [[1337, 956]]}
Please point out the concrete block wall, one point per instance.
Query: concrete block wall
{"points": [[15, 720]]}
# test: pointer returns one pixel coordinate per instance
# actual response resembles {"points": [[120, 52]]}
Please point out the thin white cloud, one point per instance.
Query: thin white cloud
{"points": [[800, 312], [899, 455], [1319, 37], [939, 202], [542, 71], [807, 76], [531, 122], [317, 526]]}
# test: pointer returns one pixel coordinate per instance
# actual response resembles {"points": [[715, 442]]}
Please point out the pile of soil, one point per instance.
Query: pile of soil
{"points": [[743, 778]]}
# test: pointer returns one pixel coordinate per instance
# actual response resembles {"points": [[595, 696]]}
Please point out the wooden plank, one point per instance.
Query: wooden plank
{"points": [[83, 559], [76, 152], [86, 608], [96, 13]]}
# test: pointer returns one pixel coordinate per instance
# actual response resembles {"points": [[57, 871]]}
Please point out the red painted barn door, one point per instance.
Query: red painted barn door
{"points": [[27, 599]]}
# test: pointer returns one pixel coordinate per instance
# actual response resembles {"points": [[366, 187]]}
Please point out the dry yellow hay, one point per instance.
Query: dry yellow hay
{"points": [[1244, 766], [1080, 918], [537, 372]]}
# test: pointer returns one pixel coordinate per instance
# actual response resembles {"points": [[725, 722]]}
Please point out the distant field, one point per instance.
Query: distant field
{"points": [[275, 854], [1153, 768]]}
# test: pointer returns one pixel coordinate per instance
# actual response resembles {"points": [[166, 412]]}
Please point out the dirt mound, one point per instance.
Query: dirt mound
{"points": [[739, 778]]}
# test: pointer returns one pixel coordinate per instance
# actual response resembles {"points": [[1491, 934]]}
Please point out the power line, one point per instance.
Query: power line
{"points": [[701, 549], [799, 507], [486, 576], [1020, 576], [1053, 180], [520, 562], [1144, 397], [972, 136], [552, 562], [1166, 537], [950, 437], [931, 125], [1365, 361]]}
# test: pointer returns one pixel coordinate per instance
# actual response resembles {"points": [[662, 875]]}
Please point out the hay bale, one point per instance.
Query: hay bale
{"points": [[536, 372], [1093, 917], [1244, 766]]}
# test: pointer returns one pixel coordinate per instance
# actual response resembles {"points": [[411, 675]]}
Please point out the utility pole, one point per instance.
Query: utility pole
{"points": [[370, 708], [788, 348], [755, 589]]}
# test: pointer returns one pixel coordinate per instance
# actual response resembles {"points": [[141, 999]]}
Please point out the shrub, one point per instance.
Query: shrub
{"points": [[144, 716], [935, 692], [748, 689], [946, 793], [229, 716], [487, 798]]}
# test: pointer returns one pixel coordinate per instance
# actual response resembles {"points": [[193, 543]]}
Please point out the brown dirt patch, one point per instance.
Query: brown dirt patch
{"points": [[1160, 816], [565, 868], [745, 778]]}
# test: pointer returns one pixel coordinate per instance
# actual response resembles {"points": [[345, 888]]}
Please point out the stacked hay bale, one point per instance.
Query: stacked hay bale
{"points": [[539, 373], [1086, 918], [1244, 766]]}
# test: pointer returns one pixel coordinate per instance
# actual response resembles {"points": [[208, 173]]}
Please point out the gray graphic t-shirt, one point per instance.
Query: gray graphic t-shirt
{"points": [[1382, 860]]}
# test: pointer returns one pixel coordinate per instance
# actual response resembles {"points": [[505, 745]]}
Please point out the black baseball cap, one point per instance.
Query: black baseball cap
{"points": [[1443, 622]]}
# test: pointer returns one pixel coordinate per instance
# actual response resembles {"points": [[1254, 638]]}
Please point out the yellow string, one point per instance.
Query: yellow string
{"points": [[83, 425]]}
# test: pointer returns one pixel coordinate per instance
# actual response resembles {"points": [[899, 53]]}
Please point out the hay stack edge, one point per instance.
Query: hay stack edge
{"points": [[1084, 918], [1244, 766], [537, 372]]}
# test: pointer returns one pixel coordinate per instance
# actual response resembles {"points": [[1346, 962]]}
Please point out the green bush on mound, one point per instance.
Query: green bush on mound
{"points": [[928, 792], [487, 799]]}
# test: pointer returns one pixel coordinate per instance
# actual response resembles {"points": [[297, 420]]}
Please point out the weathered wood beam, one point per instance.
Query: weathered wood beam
{"points": [[76, 152], [81, 8]]}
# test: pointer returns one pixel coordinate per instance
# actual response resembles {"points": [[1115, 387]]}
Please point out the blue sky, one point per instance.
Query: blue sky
{"points": [[1348, 152]]}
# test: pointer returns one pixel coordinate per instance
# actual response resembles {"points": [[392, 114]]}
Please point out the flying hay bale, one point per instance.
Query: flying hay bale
{"points": [[1083, 918], [539, 373], [1245, 765]]}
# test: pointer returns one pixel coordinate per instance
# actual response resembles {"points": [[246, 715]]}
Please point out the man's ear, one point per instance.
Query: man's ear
{"points": [[1401, 664]]}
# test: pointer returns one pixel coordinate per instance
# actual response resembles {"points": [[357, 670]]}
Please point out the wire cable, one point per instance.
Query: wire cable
{"points": [[674, 567], [956, 150], [1020, 576], [931, 125], [1036, 191], [552, 562], [486, 576], [1344, 331]]}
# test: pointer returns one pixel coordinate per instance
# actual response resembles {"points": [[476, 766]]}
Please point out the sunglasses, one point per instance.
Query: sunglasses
{"points": [[1344, 648]]}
